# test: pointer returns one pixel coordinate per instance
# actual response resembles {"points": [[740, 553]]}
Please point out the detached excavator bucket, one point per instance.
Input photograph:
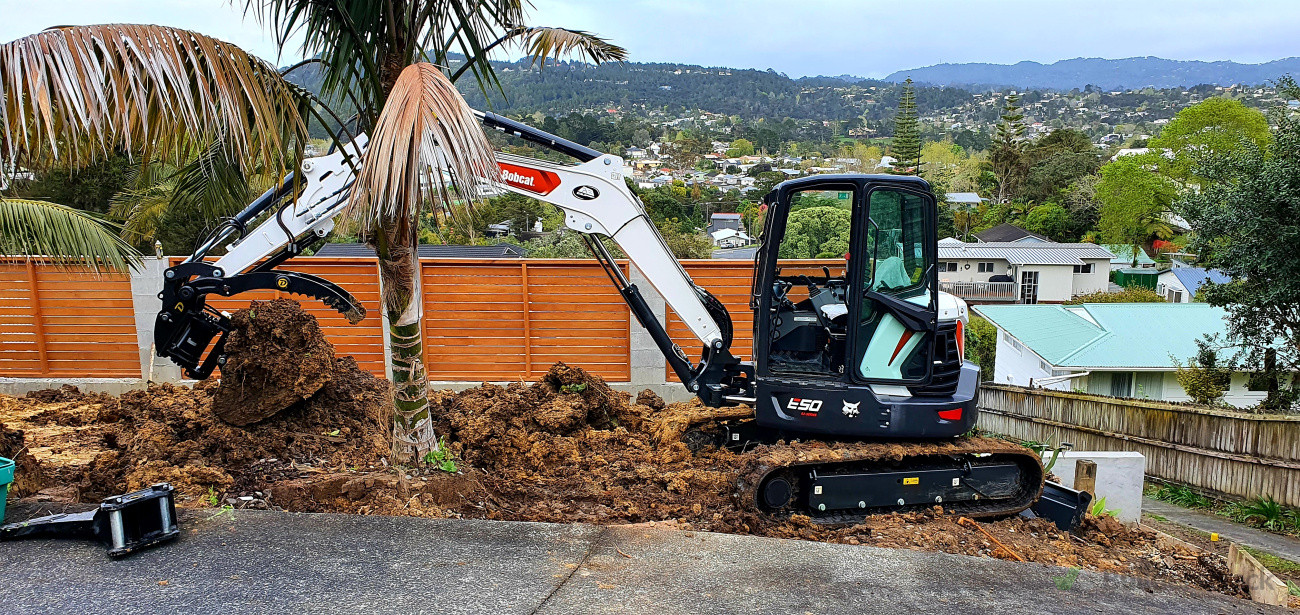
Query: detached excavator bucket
{"points": [[125, 523], [1061, 505]]}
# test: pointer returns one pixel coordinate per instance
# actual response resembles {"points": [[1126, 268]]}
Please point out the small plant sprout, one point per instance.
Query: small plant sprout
{"points": [[1098, 509], [574, 388], [441, 458], [212, 498], [1066, 581]]}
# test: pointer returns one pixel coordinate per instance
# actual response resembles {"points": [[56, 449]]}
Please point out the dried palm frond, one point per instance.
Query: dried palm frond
{"points": [[426, 140], [542, 44], [76, 93], [61, 235]]}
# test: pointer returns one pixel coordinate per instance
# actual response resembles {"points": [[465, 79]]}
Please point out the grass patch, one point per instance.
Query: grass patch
{"points": [[1273, 562], [1259, 513]]}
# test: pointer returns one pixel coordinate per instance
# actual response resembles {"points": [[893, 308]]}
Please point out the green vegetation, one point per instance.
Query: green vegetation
{"points": [[1261, 512], [1098, 509], [1130, 294], [982, 344], [441, 458], [1246, 221], [906, 145]]}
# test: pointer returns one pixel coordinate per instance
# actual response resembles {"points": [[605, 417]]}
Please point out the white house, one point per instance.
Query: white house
{"points": [[1022, 272], [730, 238], [1116, 349], [1179, 285]]}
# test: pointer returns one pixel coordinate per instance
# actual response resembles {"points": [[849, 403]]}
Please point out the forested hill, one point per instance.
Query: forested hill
{"points": [[575, 86], [1126, 73]]}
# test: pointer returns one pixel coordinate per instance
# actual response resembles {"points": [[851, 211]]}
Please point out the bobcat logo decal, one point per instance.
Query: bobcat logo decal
{"points": [[851, 409]]}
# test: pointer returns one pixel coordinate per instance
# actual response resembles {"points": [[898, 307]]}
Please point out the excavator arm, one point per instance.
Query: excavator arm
{"points": [[592, 194]]}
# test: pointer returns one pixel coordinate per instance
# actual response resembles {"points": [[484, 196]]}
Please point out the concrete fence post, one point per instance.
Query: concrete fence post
{"points": [[146, 283], [648, 368]]}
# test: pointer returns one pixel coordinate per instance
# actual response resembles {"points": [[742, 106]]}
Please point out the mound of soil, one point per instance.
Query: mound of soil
{"points": [[277, 358], [28, 477], [171, 433]]}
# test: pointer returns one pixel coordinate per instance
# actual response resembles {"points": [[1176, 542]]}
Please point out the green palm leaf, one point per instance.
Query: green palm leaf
{"points": [[62, 235]]}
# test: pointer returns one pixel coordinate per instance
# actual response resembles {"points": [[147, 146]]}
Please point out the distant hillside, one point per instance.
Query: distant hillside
{"points": [[577, 86], [1126, 73]]}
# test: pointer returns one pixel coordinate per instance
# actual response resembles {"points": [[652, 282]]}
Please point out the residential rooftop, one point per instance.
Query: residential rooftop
{"points": [[1018, 253], [1139, 336]]}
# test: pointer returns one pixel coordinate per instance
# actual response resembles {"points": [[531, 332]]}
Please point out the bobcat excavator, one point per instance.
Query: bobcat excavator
{"points": [[866, 351]]}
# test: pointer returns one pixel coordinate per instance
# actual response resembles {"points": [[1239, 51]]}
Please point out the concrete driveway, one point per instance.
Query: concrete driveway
{"points": [[270, 562]]}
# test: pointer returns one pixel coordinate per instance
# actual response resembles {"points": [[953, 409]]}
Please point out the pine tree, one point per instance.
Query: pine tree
{"points": [[1008, 157], [906, 146]]}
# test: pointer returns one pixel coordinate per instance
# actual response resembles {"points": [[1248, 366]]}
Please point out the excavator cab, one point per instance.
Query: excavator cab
{"points": [[858, 348]]}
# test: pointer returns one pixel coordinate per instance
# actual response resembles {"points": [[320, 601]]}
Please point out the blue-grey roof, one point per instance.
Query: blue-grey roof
{"points": [[1193, 278], [1109, 335], [1021, 253]]}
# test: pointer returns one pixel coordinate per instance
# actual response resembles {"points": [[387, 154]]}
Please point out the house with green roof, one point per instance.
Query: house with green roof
{"points": [[1116, 349], [1123, 258]]}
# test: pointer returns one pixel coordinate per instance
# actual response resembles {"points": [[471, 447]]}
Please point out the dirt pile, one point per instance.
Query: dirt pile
{"points": [[171, 433], [277, 357], [28, 476], [569, 448]]}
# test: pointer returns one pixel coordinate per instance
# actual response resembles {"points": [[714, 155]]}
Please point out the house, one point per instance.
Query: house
{"points": [[1180, 284], [1116, 349], [721, 221], [963, 200], [730, 238], [1021, 272], [1009, 233], [1124, 257]]}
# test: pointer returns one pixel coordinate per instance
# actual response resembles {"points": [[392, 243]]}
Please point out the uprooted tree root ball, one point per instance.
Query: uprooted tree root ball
{"points": [[565, 448], [277, 358]]}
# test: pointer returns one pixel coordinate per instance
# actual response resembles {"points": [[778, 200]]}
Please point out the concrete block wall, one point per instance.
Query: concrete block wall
{"points": [[1119, 478]]}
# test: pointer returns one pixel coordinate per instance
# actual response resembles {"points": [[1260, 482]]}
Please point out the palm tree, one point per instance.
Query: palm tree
{"points": [[78, 92], [61, 235]]}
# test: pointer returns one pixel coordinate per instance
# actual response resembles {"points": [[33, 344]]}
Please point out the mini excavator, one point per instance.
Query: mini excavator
{"points": [[869, 352]]}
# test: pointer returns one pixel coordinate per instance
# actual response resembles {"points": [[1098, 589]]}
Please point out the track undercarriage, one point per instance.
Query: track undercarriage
{"points": [[842, 482]]}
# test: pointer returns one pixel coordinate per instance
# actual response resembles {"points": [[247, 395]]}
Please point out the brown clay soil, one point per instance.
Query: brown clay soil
{"points": [[564, 449]]}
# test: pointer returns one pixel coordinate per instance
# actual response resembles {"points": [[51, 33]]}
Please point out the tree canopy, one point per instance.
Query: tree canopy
{"points": [[1212, 128]]}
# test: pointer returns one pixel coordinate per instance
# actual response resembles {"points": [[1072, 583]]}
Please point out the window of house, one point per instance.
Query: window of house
{"points": [[986, 267], [1045, 366], [1086, 268], [947, 267], [1121, 384], [1149, 385]]}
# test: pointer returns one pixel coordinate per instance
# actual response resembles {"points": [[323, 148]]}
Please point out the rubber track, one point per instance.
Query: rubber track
{"points": [[826, 457]]}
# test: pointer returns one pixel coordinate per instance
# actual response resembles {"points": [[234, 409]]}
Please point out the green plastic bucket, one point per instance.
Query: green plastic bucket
{"points": [[6, 477]]}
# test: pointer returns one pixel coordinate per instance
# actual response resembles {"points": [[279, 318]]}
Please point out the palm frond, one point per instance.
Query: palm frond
{"points": [[78, 92], [61, 235], [141, 209], [212, 184], [363, 45], [542, 43], [426, 139]]}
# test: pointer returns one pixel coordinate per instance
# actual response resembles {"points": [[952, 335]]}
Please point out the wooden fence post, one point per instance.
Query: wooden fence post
{"points": [[37, 320], [1085, 476]]}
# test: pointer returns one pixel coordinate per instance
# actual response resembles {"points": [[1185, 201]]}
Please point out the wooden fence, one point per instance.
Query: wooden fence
{"points": [[65, 323], [484, 319], [1218, 451]]}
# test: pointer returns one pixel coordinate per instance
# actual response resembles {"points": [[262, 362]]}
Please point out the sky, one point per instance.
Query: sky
{"points": [[867, 38]]}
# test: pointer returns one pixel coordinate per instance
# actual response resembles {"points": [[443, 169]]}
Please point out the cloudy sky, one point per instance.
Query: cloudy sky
{"points": [[810, 37]]}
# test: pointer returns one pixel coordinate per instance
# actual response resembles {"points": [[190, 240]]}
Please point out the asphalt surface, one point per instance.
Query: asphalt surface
{"points": [[1284, 547], [269, 562]]}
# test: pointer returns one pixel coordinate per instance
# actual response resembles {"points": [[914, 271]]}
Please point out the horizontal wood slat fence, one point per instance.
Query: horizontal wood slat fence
{"points": [[1218, 451], [65, 322]]}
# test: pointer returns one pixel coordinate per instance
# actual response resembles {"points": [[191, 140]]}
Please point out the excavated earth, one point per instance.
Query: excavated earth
{"points": [[566, 448]]}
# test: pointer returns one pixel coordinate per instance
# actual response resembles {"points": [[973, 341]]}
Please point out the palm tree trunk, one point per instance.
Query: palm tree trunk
{"points": [[399, 275]]}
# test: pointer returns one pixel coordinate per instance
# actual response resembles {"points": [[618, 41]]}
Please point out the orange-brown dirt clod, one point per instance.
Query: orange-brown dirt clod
{"points": [[277, 357], [567, 448]]}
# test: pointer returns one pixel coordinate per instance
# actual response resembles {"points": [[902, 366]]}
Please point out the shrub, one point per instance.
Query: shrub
{"points": [[1130, 294], [982, 344]]}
